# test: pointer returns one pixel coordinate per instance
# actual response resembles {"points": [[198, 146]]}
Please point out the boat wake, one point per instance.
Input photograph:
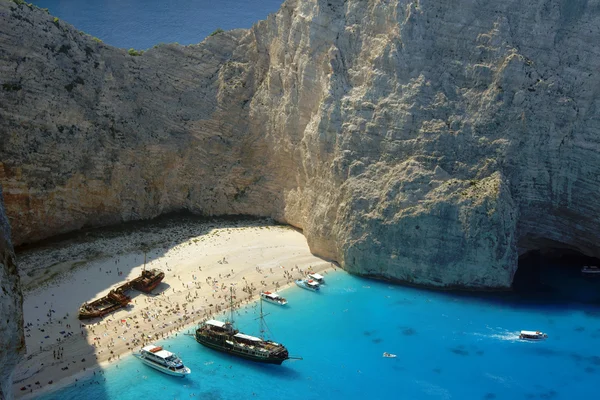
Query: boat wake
{"points": [[505, 335]]}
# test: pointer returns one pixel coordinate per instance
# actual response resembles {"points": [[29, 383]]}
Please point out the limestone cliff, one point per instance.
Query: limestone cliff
{"points": [[12, 341], [425, 141]]}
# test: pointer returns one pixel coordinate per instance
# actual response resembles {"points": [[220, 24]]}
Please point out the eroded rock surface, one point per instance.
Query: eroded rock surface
{"points": [[12, 341], [425, 141]]}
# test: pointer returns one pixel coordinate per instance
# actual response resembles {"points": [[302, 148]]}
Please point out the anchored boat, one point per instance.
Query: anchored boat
{"points": [[222, 336], [308, 284], [590, 270], [163, 361], [320, 279], [274, 298]]}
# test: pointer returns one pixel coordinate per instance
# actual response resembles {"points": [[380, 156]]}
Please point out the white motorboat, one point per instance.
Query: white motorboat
{"points": [[320, 279], [308, 284], [274, 298], [533, 335], [162, 360], [590, 270], [389, 355]]}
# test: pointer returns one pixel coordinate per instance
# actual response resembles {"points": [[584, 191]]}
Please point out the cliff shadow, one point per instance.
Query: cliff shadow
{"points": [[60, 347], [559, 275]]}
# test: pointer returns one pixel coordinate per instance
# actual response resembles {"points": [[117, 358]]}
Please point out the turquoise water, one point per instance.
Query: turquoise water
{"points": [[143, 23], [449, 346]]}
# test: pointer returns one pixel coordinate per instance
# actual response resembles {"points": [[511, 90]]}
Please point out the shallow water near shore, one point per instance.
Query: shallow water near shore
{"points": [[447, 346]]}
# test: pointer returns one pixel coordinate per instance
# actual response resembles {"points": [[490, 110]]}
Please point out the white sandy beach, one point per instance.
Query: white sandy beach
{"points": [[199, 272]]}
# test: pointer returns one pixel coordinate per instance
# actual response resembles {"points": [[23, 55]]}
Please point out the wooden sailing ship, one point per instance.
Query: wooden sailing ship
{"points": [[221, 336], [148, 280], [117, 298], [114, 300]]}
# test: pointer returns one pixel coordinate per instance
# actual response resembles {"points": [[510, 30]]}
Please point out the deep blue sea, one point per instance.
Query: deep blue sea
{"points": [[143, 23], [448, 346]]}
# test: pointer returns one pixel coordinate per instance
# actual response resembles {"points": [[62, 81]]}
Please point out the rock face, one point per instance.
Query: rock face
{"points": [[426, 141], [12, 342]]}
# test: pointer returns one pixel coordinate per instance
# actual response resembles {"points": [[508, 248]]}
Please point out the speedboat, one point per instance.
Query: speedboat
{"points": [[308, 284], [274, 298], [533, 335], [389, 355], [162, 360], [320, 279], [590, 270]]}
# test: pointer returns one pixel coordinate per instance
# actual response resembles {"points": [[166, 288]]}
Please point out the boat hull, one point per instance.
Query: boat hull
{"points": [[316, 289], [149, 288], [148, 281], [533, 339], [100, 314], [234, 352], [274, 302], [162, 369]]}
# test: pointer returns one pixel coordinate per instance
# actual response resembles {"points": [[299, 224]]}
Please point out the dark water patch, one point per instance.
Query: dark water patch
{"points": [[595, 360], [377, 340], [579, 329], [550, 394], [576, 357], [480, 352], [409, 332], [460, 350], [489, 396], [595, 334], [437, 370], [592, 313], [592, 360], [369, 333], [589, 370], [529, 395], [211, 395], [545, 351], [403, 302]]}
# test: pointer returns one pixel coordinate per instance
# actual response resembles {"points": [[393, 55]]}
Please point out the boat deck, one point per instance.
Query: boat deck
{"points": [[117, 298]]}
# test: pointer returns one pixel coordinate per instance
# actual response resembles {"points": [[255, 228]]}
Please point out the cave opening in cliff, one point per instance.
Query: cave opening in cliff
{"points": [[555, 273]]}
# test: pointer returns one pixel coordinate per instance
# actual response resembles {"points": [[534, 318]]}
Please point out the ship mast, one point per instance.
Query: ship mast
{"points": [[231, 304], [262, 322]]}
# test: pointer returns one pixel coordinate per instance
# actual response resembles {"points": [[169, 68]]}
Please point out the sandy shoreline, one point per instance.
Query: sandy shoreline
{"points": [[198, 274]]}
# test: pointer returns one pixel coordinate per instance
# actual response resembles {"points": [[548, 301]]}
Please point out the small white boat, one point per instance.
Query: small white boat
{"points": [[308, 284], [590, 270], [274, 298], [389, 355], [320, 279], [533, 335], [162, 360]]}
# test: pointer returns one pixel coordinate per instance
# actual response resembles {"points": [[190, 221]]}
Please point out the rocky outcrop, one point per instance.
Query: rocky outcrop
{"points": [[12, 341], [426, 141]]}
